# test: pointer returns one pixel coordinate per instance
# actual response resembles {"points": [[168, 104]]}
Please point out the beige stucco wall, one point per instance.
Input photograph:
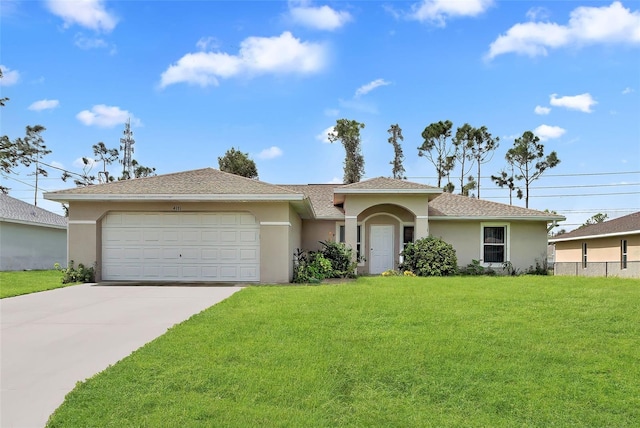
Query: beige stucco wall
{"points": [[25, 246], [598, 249], [85, 230], [527, 240], [295, 238], [314, 231]]}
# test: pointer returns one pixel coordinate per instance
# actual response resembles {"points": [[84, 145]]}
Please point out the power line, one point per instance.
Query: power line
{"points": [[577, 186], [571, 196], [577, 174]]}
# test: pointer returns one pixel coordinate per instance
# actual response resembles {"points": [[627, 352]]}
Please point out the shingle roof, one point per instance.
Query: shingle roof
{"points": [[443, 205], [15, 210], [385, 183], [207, 181], [618, 226], [321, 198], [450, 205]]}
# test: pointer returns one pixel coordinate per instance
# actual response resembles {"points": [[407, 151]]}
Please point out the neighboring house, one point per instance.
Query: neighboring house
{"points": [[610, 248], [208, 225], [30, 237]]}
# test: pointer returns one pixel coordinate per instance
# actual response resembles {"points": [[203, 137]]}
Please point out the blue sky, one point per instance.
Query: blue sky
{"points": [[270, 78]]}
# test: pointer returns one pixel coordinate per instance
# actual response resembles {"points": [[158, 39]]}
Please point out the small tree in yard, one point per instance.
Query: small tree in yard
{"points": [[430, 257]]}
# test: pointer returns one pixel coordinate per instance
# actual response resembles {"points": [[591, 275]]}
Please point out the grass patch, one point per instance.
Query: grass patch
{"points": [[25, 282], [395, 351]]}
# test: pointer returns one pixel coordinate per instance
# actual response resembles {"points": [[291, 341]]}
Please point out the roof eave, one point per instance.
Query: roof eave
{"points": [[33, 223], [496, 218], [387, 191], [177, 197], [604, 235]]}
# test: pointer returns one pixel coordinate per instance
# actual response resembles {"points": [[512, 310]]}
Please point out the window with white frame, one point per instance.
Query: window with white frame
{"points": [[342, 233], [584, 255], [623, 254], [495, 239]]}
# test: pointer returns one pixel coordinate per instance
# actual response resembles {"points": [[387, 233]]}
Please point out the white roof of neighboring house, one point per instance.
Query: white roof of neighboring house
{"points": [[13, 210]]}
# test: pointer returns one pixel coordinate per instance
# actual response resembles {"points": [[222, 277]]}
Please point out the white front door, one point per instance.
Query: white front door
{"points": [[381, 254]]}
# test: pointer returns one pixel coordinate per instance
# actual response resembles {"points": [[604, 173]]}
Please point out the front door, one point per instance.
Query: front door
{"points": [[381, 254]]}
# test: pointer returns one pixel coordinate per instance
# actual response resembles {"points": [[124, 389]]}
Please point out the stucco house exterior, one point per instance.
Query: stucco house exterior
{"points": [[610, 248], [208, 225], [30, 237]]}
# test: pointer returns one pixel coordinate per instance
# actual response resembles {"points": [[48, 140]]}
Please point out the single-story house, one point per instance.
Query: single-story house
{"points": [[30, 237], [208, 225], [610, 248]]}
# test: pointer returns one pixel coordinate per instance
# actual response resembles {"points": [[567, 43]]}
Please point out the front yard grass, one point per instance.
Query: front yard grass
{"points": [[24, 282], [393, 351]]}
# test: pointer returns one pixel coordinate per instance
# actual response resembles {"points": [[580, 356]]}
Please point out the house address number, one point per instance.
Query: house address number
{"points": [[177, 208]]}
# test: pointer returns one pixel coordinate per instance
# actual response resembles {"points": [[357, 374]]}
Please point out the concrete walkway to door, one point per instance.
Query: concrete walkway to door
{"points": [[53, 339]]}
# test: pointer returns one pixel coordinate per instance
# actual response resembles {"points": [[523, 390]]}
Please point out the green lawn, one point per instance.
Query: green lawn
{"points": [[31, 281], [395, 351]]}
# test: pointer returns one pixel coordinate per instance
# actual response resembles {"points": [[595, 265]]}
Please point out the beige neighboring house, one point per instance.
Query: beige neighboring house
{"points": [[30, 237], [610, 248], [208, 225]]}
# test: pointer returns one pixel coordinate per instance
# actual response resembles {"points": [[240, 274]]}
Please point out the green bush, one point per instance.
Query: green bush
{"points": [[81, 274], [340, 257], [311, 267], [430, 257], [473, 269]]}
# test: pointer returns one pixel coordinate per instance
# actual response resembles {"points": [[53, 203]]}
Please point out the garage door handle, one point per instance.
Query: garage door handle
{"points": [[180, 255]]}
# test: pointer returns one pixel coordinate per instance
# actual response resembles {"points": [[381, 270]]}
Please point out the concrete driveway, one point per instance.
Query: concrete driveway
{"points": [[51, 340]]}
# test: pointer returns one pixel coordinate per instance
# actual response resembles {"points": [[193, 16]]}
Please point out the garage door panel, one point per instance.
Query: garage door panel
{"points": [[227, 236], [190, 253], [249, 236], [181, 246], [210, 237], [151, 236], [248, 272], [209, 254], [248, 254]]}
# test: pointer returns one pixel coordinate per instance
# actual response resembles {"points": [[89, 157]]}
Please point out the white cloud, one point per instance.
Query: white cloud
{"points": [[207, 43], [86, 13], [335, 180], [319, 18], [57, 164], [547, 132], [537, 13], [106, 116], [324, 135], [587, 25], [627, 90], [257, 55], [542, 110], [44, 105], [438, 11], [79, 163], [331, 112], [365, 89], [87, 43], [270, 153], [582, 102], [9, 76]]}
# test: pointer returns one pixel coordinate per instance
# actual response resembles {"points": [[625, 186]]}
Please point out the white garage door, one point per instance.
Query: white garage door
{"points": [[180, 246]]}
